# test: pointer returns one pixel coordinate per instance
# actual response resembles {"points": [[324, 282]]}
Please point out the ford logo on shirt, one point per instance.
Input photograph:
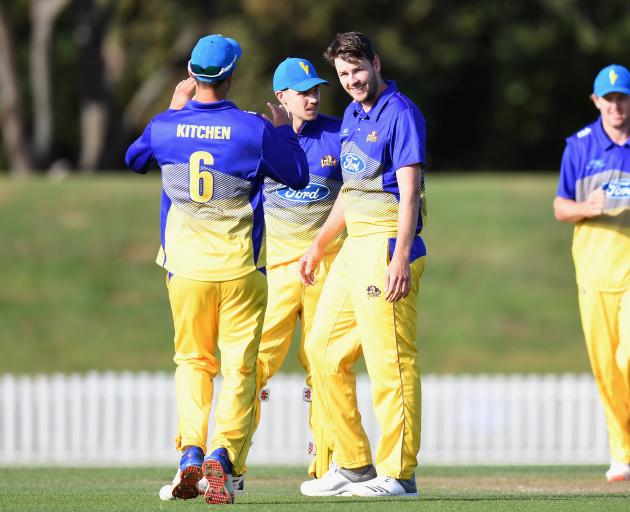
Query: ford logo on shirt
{"points": [[617, 189], [313, 192], [352, 163]]}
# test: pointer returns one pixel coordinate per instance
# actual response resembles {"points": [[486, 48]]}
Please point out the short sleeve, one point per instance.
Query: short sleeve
{"points": [[408, 139], [568, 173]]}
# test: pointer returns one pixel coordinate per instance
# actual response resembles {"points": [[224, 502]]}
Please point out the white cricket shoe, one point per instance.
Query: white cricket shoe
{"points": [[618, 472], [382, 486], [336, 482]]}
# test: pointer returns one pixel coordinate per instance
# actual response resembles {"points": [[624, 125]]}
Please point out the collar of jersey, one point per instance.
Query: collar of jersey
{"points": [[603, 140], [381, 101], [308, 126], [215, 105]]}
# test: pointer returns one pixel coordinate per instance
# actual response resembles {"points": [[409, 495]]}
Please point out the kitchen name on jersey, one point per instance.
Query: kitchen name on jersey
{"points": [[193, 131]]}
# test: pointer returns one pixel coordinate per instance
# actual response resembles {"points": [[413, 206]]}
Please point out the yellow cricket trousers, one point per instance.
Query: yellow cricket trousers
{"points": [[227, 315], [353, 298], [606, 324], [288, 300]]}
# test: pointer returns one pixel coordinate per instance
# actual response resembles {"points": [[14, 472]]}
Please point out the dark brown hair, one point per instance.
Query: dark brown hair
{"points": [[349, 46]]}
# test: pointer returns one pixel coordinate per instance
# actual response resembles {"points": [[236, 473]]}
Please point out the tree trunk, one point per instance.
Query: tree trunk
{"points": [[43, 16], [11, 120], [91, 25]]}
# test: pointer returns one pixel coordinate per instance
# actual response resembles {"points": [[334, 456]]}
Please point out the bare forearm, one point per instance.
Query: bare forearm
{"points": [[408, 208], [570, 211], [335, 223]]}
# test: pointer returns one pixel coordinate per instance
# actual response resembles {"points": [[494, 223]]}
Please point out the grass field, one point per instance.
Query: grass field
{"points": [[491, 488], [81, 291]]}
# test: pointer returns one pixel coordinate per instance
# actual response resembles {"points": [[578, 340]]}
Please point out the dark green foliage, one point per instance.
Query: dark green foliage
{"points": [[501, 83]]}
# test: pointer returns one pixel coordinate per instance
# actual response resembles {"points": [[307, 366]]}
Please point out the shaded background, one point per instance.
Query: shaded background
{"points": [[501, 83]]}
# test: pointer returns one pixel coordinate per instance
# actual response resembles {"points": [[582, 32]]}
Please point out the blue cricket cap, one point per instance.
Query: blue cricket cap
{"points": [[613, 78], [214, 58], [296, 74]]}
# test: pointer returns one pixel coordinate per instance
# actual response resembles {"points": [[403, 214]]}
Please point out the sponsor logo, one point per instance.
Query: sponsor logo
{"points": [[612, 76], [595, 164], [617, 189], [304, 67], [344, 132], [329, 161], [307, 394], [352, 163], [264, 395], [583, 133], [312, 193], [372, 136], [373, 292]]}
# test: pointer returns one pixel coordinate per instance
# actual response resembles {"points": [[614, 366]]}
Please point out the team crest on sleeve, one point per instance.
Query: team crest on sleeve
{"points": [[372, 136]]}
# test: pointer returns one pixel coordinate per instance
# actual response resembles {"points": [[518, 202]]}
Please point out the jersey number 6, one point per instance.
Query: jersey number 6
{"points": [[200, 180]]}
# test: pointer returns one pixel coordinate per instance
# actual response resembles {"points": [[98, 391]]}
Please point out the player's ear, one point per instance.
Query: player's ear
{"points": [[280, 96], [377, 64]]}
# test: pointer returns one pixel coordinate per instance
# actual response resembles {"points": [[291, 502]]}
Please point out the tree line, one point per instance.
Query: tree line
{"points": [[501, 84]]}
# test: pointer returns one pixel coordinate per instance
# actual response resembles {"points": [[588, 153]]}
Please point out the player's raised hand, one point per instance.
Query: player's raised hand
{"points": [[184, 91], [397, 279], [594, 204], [308, 263], [280, 115]]}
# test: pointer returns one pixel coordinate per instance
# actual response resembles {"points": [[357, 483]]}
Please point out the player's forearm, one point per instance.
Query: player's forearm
{"points": [[568, 210], [408, 209], [334, 225]]}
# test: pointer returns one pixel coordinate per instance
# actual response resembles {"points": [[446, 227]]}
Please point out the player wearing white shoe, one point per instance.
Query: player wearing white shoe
{"points": [[373, 284], [337, 481], [594, 194]]}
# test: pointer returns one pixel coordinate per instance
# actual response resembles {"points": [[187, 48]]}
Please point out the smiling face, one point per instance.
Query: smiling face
{"points": [[303, 106], [615, 110], [361, 79]]}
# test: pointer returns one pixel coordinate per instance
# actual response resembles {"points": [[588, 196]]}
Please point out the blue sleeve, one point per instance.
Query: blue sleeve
{"points": [[408, 139], [568, 174], [282, 157], [139, 156]]}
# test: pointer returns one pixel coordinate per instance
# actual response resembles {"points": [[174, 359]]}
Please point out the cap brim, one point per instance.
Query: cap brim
{"points": [[307, 84], [609, 90]]}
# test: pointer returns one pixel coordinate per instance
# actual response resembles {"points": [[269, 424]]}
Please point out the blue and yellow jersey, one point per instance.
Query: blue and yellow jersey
{"points": [[601, 245], [294, 217], [374, 145], [214, 158]]}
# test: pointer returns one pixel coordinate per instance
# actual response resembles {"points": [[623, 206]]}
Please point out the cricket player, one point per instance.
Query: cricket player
{"points": [[293, 219], [594, 194], [213, 159], [372, 286]]}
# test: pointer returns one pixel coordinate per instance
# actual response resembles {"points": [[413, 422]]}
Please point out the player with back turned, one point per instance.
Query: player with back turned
{"points": [[213, 159], [373, 284], [594, 194]]}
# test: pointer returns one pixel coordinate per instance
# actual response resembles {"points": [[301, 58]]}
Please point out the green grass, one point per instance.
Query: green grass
{"points": [[80, 289], [479, 488]]}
